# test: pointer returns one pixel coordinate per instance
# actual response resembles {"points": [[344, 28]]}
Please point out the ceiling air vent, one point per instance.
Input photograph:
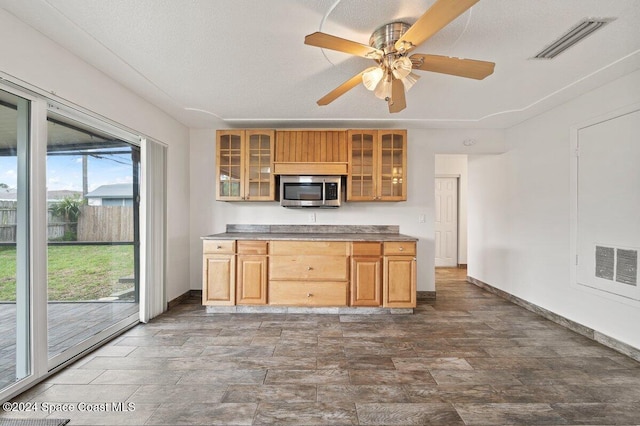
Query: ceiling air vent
{"points": [[571, 37]]}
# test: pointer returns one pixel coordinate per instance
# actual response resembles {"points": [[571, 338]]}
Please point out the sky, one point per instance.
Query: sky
{"points": [[65, 172]]}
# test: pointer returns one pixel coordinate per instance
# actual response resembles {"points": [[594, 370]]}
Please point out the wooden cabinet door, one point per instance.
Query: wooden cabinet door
{"points": [[366, 281], [229, 165], [251, 280], [311, 146], [392, 168], [362, 179], [259, 183], [399, 287], [218, 274], [244, 165]]}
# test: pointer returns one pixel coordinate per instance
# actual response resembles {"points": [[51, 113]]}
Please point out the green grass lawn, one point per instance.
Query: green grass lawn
{"points": [[75, 273]]}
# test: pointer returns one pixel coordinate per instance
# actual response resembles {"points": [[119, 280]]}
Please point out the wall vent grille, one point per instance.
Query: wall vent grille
{"points": [[576, 33], [627, 266], [616, 264], [605, 262]]}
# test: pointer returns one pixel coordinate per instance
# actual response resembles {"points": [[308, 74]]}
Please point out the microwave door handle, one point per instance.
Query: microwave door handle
{"points": [[323, 192]]}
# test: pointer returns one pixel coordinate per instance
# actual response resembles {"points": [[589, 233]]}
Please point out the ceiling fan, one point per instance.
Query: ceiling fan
{"points": [[390, 45]]}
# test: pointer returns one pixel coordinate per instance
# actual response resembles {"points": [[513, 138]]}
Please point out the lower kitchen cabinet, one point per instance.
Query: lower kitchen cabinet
{"points": [[399, 287], [366, 288], [251, 279], [310, 273], [219, 272], [251, 283], [399, 284], [366, 274], [308, 293]]}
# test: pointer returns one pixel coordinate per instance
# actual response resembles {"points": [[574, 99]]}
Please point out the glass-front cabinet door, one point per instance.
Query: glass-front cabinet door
{"points": [[378, 164], [363, 159], [229, 165], [244, 163], [393, 160], [259, 182]]}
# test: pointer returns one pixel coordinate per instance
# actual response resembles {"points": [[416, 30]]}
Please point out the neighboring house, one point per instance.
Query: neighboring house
{"points": [[117, 194], [52, 196]]}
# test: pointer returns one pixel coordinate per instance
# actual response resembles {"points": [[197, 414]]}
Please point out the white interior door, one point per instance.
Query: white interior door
{"points": [[446, 226]]}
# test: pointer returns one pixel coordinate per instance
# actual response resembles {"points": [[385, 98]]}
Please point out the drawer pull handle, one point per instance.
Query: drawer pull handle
{"points": [[309, 268], [401, 248], [309, 294], [218, 247]]}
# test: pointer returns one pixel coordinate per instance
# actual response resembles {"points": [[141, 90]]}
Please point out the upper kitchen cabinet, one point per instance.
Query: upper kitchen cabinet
{"points": [[377, 165], [244, 164], [311, 152], [311, 146]]}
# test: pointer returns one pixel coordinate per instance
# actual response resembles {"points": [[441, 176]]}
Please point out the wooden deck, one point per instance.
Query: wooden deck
{"points": [[69, 324]]}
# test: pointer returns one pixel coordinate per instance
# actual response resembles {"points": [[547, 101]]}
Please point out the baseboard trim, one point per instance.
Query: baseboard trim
{"points": [[462, 266], [197, 294], [426, 295], [588, 332], [183, 298]]}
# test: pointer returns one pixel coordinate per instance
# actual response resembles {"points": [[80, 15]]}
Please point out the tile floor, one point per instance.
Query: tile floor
{"points": [[467, 358]]}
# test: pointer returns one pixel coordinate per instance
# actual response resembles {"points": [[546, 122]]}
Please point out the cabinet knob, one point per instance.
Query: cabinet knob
{"points": [[309, 294], [218, 247], [309, 268], [401, 248]]}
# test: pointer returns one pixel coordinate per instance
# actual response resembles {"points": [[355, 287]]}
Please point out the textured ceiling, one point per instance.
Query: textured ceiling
{"points": [[245, 62]]}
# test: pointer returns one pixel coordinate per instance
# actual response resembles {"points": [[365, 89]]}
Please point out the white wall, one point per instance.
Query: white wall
{"points": [[519, 233], [456, 164], [28, 56], [209, 216]]}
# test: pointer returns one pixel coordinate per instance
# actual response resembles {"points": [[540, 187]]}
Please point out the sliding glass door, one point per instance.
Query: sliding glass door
{"points": [[93, 235], [15, 348], [70, 234]]}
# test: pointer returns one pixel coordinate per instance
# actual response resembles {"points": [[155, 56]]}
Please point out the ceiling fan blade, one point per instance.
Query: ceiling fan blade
{"points": [[327, 41], [397, 102], [433, 20], [469, 68], [341, 90]]}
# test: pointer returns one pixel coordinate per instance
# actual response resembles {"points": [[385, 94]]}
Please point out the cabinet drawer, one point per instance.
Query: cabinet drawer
{"points": [[331, 248], [252, 247], [327, 268], [219, 246], [366, 249], [407, 248], [298, 293]]}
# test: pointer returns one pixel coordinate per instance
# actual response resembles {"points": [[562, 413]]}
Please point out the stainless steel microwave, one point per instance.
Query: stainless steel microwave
{"points": [[310, 191]]}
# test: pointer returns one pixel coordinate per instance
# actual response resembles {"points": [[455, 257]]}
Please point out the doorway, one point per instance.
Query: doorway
{"points": [[450, 216]]}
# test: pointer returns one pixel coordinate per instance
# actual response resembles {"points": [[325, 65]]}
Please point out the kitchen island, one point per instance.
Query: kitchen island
{"points": [[309, 268]]}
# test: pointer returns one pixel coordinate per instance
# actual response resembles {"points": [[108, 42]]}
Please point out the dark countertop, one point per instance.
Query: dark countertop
{"points": [[308, 236], [312, 233]]}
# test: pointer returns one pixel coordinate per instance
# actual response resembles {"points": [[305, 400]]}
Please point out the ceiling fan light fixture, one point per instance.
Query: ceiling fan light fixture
{"points": [[383, 89], [371, 77], [401, 67], [410, 80]]}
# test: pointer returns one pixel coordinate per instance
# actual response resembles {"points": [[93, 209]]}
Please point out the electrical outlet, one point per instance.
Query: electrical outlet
{"points": [[312, 217], [422, 218]]}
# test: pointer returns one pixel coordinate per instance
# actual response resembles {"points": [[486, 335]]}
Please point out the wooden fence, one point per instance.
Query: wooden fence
{"points": [[8, 220], [96, 223], [105, 223]]}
